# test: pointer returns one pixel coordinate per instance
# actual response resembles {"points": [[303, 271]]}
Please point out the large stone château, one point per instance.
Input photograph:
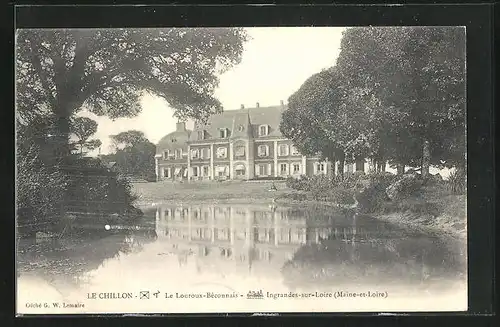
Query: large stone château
{"points": [[237, 144]]}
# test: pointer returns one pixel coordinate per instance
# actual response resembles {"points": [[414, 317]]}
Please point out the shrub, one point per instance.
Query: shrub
{"points": [[382, 178], [343, 196], [347, 181], [320, 187], [372, 198], [457, 181], [404, 186], [39, 192], [294, 183]]}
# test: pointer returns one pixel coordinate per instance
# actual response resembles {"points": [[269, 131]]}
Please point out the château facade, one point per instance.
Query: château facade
{"points": [[239, 144]]}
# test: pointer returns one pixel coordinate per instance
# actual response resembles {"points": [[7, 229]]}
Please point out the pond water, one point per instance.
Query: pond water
{"points": [[356, 263]]}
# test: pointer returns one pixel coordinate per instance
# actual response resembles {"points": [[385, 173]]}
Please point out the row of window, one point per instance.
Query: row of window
{"points": [[224, 133], [283, 150], [287, 169], [239, 151], [260, 170]]}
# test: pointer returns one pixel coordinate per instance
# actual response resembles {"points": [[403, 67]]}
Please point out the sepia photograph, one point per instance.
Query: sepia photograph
{"points": [[241, 170]]}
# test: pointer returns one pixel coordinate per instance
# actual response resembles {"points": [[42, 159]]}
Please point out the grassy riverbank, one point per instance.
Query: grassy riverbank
{"points": [[450, 217]]}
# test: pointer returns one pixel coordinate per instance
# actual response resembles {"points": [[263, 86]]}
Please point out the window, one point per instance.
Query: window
{"points": [[240, 170], [262, 170], [284, 235], [223, 133], [221, 153], [205, 153], [263, 130], [240, 151], [223, 234], [221, 171], [294, 151], [296, 168], [195, 171], [166, 172], [241, 128], [283, 169], [195, 153], [360, 165], [201, 135], [166, 154], [205, 171], [320, 168], [178, 153], [263, 151], [283, 150]]}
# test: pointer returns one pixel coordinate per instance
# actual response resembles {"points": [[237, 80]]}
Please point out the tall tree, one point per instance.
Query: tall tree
{"points": [[317, 118], [417, 74], [106, 71], [128, 139]]}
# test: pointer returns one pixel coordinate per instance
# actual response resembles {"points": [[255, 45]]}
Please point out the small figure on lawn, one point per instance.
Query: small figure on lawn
{"points": [[273, 188]]}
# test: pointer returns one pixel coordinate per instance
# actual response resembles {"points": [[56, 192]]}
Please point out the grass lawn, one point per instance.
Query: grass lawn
{"points": [[161, 192]]}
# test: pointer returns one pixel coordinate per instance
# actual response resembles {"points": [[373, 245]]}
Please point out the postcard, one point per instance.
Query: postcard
{"points": [[230, 170]]}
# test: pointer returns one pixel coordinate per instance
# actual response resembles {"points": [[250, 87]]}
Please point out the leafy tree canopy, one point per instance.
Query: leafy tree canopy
{"points": [[106, 70]]}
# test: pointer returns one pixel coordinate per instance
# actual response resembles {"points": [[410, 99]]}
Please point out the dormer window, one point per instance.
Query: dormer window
{"points": [[223, 133], [201, 135], [294, 151], [263, 130], [166, 154]]}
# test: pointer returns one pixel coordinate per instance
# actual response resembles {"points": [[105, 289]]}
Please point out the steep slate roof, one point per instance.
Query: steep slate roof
{"points": [[255, 116], [174, 139]]}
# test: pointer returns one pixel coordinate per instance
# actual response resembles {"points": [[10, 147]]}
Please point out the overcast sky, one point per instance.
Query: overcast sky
{"points": [[275, 63]]}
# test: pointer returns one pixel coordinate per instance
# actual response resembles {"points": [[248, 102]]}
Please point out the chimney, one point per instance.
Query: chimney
{"points": [[257, 105], [242, 106], [180, 127]]}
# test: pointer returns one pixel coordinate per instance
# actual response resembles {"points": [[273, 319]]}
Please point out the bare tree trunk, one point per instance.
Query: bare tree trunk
{"points": [[400, 169], [426, 158], [341, 159], [380, 166]]}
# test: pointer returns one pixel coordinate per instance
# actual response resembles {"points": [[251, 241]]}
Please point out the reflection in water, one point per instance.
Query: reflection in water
{"points": [[65, 262], [297, 247]]}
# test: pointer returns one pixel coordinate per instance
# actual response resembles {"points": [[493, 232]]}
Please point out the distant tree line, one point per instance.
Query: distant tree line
{"points": [[133, 155]]}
